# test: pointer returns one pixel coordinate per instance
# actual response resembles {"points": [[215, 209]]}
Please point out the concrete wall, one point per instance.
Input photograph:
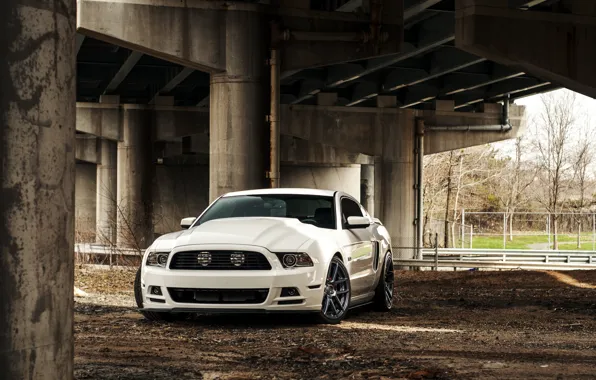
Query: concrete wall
{"points": [[182, 191], [332, 178], [85, 198], [179, 192]]}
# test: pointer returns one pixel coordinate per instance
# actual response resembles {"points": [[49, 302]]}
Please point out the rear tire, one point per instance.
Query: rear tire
{"points": [[151, 315], [383, 300], [336, 293]]}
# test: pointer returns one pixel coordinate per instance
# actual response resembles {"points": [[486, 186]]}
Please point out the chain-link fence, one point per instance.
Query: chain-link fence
{"points": [[517, 230], [449, 234]]}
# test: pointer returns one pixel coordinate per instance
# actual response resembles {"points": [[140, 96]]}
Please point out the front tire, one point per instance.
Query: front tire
{"points": [[149, 315], [336, 294], [383, 300]]}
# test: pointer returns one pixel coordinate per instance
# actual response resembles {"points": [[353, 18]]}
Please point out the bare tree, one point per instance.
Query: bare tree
{"points": [[513, 183], [582, 161], [474, 167], [434, 190], [554, 127]]}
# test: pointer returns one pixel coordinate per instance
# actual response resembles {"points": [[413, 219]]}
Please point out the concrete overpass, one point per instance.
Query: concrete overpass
{"points": [[236, 95]]}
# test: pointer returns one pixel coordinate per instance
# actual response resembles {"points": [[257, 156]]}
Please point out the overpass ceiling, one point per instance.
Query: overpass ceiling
{"points": [[429, 67]]}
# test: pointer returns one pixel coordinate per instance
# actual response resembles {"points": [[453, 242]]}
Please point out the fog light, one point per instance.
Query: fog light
{"points": [[155, 290], [289, 292]]}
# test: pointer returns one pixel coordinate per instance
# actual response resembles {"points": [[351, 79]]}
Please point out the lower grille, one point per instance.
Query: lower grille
{"points": [[218, 296], [219, 260]]}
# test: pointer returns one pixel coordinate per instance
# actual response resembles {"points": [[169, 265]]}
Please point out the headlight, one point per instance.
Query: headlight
{"points": [[157, 259], [295, 260]]}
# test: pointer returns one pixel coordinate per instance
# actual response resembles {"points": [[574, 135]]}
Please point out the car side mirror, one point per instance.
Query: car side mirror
{"points": [[187, 222], [358, 222]]}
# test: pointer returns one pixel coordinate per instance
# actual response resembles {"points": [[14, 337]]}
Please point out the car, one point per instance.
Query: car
{"points": [[270, 250]]}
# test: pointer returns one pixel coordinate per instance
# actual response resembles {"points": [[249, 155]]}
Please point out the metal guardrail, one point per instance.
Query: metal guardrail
{"points": [[431, 257], [502, 259], [104, 254]]}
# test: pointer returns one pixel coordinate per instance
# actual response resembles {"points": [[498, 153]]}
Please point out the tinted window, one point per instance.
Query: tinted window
{"points": [[349, 208], [316, 210]]}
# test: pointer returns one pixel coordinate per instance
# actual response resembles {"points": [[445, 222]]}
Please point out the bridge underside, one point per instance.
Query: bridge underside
{"points": [[179, 102]]}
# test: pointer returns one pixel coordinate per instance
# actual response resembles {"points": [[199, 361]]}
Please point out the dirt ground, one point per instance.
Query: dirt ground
{"points": [[446, 325]]}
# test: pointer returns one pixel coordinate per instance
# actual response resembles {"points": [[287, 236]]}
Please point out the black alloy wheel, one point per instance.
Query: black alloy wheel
{"points": [[383, 300], [336, 294]]}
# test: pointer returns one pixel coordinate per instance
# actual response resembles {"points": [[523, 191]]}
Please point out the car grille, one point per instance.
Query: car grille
{"points": [[218, 296], [219, 260]]}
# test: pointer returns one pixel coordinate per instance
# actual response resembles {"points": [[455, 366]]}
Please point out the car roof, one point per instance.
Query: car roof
{"points": [[294, 191]]}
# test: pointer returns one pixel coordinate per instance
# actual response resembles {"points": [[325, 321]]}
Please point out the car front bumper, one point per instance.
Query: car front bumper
{"points": [[308, 281]]}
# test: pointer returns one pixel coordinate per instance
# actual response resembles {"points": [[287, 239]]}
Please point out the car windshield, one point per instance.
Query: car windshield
{"points": [[310, 209]]}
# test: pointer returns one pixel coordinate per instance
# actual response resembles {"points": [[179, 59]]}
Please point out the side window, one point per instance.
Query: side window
{"points": [[349, 208]]}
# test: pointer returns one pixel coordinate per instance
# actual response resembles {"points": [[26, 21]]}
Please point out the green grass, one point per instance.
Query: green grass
{"points": [[525, 242], [573, 247]]}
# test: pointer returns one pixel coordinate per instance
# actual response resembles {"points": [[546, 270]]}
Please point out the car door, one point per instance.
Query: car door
{"points": [[358, 245]]}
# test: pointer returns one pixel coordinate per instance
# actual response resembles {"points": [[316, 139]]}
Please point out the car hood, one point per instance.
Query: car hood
{"points": [[270, 233]]}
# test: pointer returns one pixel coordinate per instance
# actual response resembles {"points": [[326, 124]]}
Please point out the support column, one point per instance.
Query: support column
{"points": [[85, 202], [399, 195], [135, 181], [106, 193], [37, 174], [238, 108], [367, 188]]}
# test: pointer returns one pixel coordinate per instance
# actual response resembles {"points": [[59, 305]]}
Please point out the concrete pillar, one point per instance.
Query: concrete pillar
{"points": [[135, 181], [378, 188], [340, 177], [399, 170], [238, 108], [383, 101], [85, 200], [367, 188], [37, 173], [105, 195]]}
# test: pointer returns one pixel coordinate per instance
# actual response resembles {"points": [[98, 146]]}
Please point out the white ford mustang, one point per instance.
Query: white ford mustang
{"points": [[272, 250]]}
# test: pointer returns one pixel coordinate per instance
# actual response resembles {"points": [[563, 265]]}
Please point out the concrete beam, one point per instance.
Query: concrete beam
{"points": [[187, 33], [101, 120], [553, 46], [445, 140], [86, 149], [298, 151], [123, 72], [106, 120], [362, 129], [191, 32], [175, 81], [318, 49], [352, 129], [335, 133], [444, 61], [79, 42], [432, 34]]}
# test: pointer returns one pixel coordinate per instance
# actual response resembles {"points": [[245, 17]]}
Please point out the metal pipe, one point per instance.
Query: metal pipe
{"points": [[506, 111], [505, 125], [274, 119], [472, 128], [420, 187]]}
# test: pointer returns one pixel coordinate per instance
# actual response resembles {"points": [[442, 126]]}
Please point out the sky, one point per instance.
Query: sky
{"points": [[534, 106]]}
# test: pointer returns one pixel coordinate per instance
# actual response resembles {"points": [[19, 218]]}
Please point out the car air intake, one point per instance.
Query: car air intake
{"points": [[218, 296], [219, 260]]}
